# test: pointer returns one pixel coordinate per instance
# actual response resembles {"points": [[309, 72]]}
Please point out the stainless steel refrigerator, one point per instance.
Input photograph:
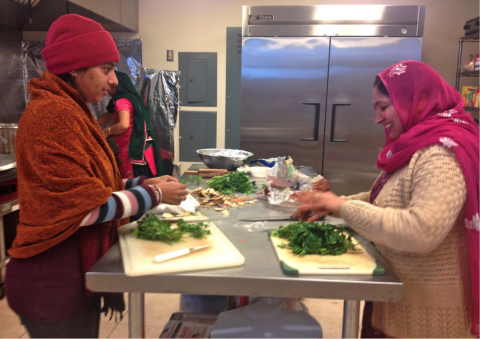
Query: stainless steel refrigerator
{"points": [[307, 79]]}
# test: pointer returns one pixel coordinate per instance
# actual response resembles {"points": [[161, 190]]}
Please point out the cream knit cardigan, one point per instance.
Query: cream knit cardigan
{"points": [[417, 224]]}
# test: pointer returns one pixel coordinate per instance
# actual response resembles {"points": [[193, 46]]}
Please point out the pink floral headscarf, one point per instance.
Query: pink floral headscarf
{"points": [[431, 112]]}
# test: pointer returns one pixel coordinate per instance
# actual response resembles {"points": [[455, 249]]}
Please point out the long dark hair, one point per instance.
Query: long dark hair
{"points": [[380, 86]]}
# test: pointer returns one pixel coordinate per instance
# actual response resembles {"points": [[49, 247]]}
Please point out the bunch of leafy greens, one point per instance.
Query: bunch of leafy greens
{"points": [[193, 179], [152, 228], [232, 183], [312, 238]]}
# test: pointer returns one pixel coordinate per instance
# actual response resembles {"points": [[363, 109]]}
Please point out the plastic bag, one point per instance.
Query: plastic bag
{"points": [[285, 179], [469, 66], [294, 304], [279, 196]]}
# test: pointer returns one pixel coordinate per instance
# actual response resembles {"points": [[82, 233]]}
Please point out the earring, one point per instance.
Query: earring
{"points": [[74, 74]]}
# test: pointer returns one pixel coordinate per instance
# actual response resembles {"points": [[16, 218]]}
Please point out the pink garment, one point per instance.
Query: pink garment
{"points": [[431, 112], [122, 140]]}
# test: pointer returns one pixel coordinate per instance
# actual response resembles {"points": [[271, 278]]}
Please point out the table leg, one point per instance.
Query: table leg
{"points": [[351, 318], [3, 253], [136, 315]]}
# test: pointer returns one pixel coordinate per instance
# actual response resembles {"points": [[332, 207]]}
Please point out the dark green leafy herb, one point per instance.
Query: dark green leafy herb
{"points": [[312, 238], [152, 228], [232, 183], [197, 230]]}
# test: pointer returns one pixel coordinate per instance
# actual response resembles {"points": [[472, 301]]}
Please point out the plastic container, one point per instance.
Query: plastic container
{"points": [[265, 321], [477, 62]]}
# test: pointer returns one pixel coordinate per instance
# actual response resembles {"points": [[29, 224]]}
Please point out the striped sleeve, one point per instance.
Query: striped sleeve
{"points": [[130, 183], [122, 204]]}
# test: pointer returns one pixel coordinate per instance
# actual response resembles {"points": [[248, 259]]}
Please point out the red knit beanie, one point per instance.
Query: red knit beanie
{"points": [[75, 42]]}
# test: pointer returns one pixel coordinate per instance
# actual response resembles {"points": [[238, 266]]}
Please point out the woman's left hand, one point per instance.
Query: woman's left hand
{"points": [[318, 202], [160, 180]]}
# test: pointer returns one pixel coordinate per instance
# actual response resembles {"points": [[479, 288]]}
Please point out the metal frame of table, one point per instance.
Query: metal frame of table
{"points": [[5, 208], [261, 275]]}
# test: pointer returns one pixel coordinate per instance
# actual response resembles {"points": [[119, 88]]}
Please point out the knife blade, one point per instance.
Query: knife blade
{"points": [[268, 219], [174, 220], [178, 253], [272, 219]]}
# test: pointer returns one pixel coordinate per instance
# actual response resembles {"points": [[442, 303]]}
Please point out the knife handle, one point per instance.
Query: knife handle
{"points": [[171, 255]]}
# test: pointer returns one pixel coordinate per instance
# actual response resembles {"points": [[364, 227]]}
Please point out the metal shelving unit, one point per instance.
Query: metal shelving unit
{"points": [[468, 38]]}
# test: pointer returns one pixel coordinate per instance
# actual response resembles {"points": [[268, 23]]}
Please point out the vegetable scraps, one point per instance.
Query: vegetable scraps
{"points": [[232, 183], [312, 238], [152, 228]]}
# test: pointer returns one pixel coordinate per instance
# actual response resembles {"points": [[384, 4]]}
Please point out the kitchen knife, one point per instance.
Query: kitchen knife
{"points": [[174, 220], [272, 219], [177, 253]]}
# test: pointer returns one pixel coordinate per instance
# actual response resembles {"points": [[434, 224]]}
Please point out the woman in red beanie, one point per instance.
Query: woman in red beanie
{"points": [[72, 197]]}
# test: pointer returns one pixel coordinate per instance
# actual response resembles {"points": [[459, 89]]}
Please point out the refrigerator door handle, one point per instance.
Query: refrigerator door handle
{"points": [[332, 132], [317, 121]]}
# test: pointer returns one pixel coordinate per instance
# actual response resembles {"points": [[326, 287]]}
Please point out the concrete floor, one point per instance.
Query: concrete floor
{"points": [[159, 307]]}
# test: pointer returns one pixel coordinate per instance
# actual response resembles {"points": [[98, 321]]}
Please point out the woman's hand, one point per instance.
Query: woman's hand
{"points": [[159, 180], [105, 118], [305, 213], [173, 192], [106, 132], [320, 204]]}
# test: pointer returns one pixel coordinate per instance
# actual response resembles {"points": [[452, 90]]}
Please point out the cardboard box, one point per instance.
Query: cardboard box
{"points": [[476, 99], [468, 94]]}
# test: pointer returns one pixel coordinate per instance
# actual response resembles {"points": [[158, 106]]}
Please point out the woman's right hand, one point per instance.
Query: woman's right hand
{"points": [[310, 213], [173, 192]]}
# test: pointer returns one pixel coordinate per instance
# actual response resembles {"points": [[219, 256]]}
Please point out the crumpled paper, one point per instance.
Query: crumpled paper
{"points": [[190, 204]]}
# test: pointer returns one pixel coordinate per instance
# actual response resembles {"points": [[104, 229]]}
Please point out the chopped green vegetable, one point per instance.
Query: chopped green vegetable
{"points": [[264, 186], [197, 230], [312, 238], [152, 228], [232, 183]]}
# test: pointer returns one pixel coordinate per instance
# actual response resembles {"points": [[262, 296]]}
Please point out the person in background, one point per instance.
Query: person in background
{"points": [[138, 152], [422, 211], [72, 197]]}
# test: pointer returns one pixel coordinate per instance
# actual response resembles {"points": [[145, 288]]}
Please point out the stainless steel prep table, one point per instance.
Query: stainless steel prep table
{"points": [[260, 276]]}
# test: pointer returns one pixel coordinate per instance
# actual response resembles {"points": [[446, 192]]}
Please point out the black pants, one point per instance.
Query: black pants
{"points": [[86, 327]]}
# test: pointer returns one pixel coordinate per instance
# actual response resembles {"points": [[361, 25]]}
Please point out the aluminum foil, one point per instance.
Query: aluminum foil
{"points": [[11, 83], [232, 154], [160, 88], [33, 64]]}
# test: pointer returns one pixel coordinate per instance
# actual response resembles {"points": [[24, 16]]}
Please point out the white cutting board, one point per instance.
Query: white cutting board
{"points": [[138, 254], [359, 262]]}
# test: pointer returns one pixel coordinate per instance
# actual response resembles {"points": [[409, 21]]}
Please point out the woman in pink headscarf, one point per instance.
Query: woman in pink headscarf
{"points": [[422, 211]]}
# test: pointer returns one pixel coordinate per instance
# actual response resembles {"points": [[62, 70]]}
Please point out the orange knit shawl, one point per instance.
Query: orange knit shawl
{"points": [[65, 169]]}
